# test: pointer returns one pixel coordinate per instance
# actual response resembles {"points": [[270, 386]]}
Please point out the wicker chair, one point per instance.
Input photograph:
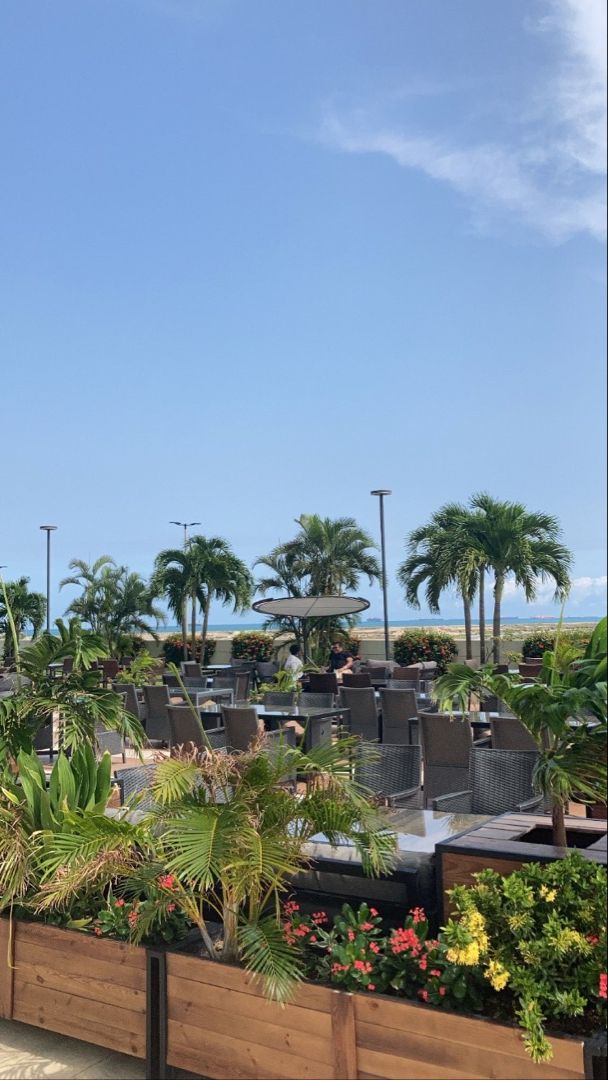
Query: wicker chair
{"points": [[43, 739], [157, 700], [132, 703], [280, 697], [403, 684], [136, 781], [359, 679], [409, 671], [398, 707], [109, 670], [191, 669], [501, 781], [242, 726], [322, 682], [315, 701], [185, 727], [392, 772], [266, 671], [446, 747], [169, 679], [112, 741], [363, 711], [508, 733]]}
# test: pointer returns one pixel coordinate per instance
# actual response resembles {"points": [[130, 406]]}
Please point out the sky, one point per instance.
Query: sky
{"points": [[258, 258]]}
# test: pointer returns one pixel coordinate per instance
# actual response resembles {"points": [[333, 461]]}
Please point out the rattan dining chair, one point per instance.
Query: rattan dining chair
{"points": [[157, 700], [322, 682], [508, 733], [398, 707], [358, 679], [391, 772], [315, 701], [446, 746], [280, 698], [500, 782], [186, 728], [363, 711]]}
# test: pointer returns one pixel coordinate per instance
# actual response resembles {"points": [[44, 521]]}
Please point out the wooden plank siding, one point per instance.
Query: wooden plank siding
{"points": [[221, 1026], [86, 987]]}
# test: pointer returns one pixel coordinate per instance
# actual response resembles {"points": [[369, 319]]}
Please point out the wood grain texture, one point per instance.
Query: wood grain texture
{"points": [[6, 968], [458, 869], [90, 988], [344, 1036]]}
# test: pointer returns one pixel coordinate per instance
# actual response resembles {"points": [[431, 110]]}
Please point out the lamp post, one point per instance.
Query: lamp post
{"points": [[48, 529], [381, 492], [185, 525]]}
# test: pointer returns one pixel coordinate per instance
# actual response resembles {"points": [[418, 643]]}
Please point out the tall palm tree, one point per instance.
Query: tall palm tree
{"points": [[282, 579], [523, 543], [443, 553], [332, 554], [206, 569], [115, 602], [27, 608]]}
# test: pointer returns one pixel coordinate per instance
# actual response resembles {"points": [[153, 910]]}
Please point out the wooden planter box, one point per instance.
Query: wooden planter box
{"points": [[76, 984], [219, 1025], [497, 846]]}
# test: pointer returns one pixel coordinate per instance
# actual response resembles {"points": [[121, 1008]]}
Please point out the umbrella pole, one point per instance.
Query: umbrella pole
{"points": [[304, 640]]}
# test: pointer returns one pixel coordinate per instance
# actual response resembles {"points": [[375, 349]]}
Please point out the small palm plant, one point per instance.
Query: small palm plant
{"points": [[564, 712], [227, 836]]}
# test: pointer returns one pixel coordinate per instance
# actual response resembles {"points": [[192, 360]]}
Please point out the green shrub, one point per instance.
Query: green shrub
{"points": [[542, 641], [253, 645], [412, 646], [173, 649]]}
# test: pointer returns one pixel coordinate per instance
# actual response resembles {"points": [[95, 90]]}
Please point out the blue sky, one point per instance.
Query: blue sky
{"points": [[259, 258]]}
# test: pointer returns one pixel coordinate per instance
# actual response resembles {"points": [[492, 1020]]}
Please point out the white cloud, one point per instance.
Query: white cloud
{"points": [[583, 589], [553, 176]]}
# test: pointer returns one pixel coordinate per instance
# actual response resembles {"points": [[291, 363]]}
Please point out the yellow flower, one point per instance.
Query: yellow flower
{"points": [[497, 975], [548, 894], [467, 954], [572, 941]]}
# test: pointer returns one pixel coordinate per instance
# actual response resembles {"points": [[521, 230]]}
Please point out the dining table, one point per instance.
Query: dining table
{"points": [[316, 720]]}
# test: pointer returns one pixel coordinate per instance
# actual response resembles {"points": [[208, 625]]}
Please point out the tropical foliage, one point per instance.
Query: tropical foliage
{"points": [[542, 641], [538, 937], [79, 703], [564, 710], [28, 610], [206, 569], [461, 544], [115, 602], [144, 669], [412, 646], [253, 645], [326, 557], [227, 835]]}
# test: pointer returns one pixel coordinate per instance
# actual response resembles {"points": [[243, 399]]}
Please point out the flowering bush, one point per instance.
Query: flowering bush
{"points": [[173, 649], [529, 946], [412, 646], [153, 918], [253, 645], [356, 953], [538, 936]]}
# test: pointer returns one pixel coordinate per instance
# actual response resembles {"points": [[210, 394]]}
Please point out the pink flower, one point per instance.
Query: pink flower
{"points": [[167, 881], [603, 987], [593, 939], [422, 963], [366, 926], [373, 912], [170, 907], [313, 937], [370, 986], [132, 918], [424, 994], [418, 915], [98, 931], [375, 948], [351, 935], [442, 991], [435, 973], [119, 903]]}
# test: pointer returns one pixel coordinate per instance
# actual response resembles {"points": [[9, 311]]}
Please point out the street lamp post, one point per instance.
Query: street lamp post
{"points": [[48, 529], [381, 492], [185, 525]]}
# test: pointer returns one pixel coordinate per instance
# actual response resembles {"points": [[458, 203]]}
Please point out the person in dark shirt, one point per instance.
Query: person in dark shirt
{"points": [[340, 660]]}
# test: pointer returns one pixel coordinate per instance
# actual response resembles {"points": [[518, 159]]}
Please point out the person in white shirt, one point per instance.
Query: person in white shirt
{"points": [[293, 663]]}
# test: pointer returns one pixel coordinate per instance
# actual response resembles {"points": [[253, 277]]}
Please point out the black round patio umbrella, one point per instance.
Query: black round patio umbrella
{"points": [[311, 607]]}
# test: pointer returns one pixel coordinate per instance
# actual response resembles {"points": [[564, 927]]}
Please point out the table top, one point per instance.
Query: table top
{"points": [[293, 712], [417, 832]]}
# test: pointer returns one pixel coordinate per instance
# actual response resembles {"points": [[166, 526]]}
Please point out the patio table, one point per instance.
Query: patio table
{"points": [[315, 719], [336, 874]]}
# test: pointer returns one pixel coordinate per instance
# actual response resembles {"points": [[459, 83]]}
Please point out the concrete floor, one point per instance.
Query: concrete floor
{"points": [[27, 1052]]}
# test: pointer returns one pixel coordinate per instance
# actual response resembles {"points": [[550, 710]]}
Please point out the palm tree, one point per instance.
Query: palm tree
{"points": [[523, 543], [332, 554], [27, 609], [115, 602], [444, 553], [327, 556], [206, 569]]}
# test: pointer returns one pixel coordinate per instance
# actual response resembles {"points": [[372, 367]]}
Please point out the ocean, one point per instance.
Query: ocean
{"points": [[373, 624]]}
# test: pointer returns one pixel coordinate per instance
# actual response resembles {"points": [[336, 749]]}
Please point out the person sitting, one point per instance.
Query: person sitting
{"points": [[293, 663], [340, 660]]}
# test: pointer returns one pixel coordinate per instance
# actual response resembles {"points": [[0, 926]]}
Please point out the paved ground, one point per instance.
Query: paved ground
{"points": [[27, 1052]]}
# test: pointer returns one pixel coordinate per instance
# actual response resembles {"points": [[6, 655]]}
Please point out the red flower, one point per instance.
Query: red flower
{"points": [[370, 986], [98, 931], [422, 963], [603, 987], [418, 914], [442, 991], [373, 912], [170, 907], [366, 926], [167, 881], [119, 903], [424, 994], [351, 935]]}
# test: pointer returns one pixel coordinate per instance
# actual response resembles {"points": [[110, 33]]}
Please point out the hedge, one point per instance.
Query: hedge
{"points": [[412, 646], [253, 645], [173, 649]]}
